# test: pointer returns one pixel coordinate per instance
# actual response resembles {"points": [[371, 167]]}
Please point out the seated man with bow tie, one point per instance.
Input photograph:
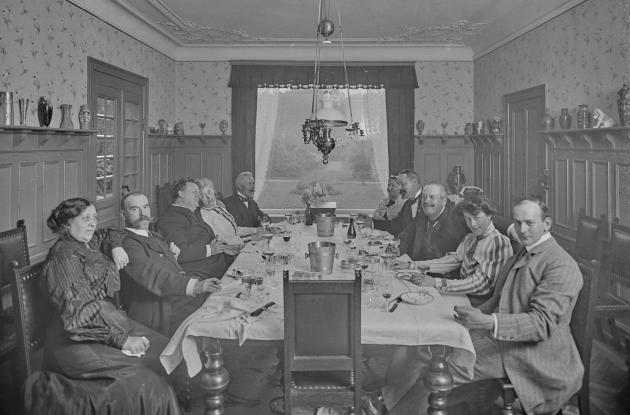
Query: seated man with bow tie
{"points": [[411, 185], [477, 259], [241, 204], [156, 291]]}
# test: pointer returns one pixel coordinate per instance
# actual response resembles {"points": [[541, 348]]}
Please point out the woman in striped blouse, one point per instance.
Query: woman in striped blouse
{"points": [[479, 256]]}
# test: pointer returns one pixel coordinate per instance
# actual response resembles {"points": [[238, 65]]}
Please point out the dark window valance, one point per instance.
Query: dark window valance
{"points": [[388, 76]]}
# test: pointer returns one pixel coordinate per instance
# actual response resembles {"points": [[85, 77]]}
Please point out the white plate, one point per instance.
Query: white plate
{"points": [[417, 297], [411, 275]]}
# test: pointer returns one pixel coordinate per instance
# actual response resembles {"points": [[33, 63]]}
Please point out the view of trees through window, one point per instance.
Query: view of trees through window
{"points": [[356, 174]]}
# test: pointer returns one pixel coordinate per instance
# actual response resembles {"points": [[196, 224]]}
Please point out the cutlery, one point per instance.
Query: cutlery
{"points": [[261, 309], [396, 301]]}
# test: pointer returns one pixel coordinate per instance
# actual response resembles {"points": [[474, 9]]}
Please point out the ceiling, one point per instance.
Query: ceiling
{"points": [[372, 29]]}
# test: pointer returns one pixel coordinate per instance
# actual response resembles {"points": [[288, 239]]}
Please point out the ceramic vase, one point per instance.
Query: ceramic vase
{"points": [[66, 117], [583, 117], [44, 111], [85, 117], [547, 121], [564, 119], [623, 105]]}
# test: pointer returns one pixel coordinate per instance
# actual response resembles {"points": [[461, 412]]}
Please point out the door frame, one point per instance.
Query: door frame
{"points": [[95, 66], [538, 91]]}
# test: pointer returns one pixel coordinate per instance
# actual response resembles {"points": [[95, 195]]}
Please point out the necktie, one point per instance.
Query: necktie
{"points": [[520, 254]]}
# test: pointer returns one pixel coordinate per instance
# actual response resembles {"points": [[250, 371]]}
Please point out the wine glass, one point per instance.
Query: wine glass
{"points": [[259, 282], [265, 221], [249, 280], [267, 237], [386, 296], [202, 125]]}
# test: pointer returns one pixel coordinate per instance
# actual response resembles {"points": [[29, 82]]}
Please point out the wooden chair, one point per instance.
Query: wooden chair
{"points": [[163, 198], [32, 317], [322, 343], [13, 249], [582, 324], [591, 236], [501, 223], [616, 269]]}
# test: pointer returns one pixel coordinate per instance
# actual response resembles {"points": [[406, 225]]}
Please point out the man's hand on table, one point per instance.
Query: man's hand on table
{"points": [[135, 344], [473, 318], [210, 285]]}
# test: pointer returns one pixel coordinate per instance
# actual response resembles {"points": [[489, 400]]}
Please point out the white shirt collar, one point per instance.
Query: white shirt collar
{"points": [[417, 194], [242, 195], [545, 236], [141, 232]]}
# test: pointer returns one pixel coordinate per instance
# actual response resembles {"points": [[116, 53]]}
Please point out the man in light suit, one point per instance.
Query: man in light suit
{"points": [[522, 331], [241, 204]]}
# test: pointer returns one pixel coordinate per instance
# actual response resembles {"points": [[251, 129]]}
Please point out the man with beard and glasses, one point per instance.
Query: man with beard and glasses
{"points": [[155, 290]]}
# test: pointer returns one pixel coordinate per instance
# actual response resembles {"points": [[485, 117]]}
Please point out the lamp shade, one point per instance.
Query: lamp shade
{"points": [[331, 116]]}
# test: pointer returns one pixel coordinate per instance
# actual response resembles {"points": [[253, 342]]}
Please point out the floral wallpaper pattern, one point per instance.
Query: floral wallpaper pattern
{"points": [[445, 93], [578, 55], [44, 47], [202, 95]]}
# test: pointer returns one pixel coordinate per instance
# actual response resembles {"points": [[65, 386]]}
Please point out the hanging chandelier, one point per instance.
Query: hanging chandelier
{"points": [[317, 129]]}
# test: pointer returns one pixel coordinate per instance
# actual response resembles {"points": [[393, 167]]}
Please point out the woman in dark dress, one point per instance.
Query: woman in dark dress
{"points": [[89, 336]]}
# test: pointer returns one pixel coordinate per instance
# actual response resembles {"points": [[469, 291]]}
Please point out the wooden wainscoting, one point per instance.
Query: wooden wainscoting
{"points": [[489, 171], [160, 155], [436, 155], [39, 167], [590, 169]]}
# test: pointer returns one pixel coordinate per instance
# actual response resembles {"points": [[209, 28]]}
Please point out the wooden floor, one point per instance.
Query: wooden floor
{"points": [[256, 382]]}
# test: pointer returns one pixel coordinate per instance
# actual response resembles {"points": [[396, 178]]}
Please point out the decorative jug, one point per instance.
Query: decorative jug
{"points": [[85, 117], [564, 119], [66, 117], [44, 111], [583, 117]]}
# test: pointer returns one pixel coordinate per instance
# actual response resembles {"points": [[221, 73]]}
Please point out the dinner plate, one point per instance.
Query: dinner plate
{"points": [[410, 275], [417, 297]]}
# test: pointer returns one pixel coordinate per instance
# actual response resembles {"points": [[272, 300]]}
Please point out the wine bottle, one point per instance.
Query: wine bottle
{"points": [[352, 232]]}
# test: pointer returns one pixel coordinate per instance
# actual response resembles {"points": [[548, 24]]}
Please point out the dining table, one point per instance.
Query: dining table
{"points": [[254, 279]]}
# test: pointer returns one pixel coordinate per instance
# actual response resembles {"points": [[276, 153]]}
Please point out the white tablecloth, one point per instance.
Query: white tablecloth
{"points": [[225, 316]]}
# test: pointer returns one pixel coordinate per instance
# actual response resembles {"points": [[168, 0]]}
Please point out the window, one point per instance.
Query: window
{"points": [[356, 175]]}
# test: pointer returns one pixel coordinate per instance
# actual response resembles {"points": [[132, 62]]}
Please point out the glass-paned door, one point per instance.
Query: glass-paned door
{"points": [[105, 147], [119, 98]]}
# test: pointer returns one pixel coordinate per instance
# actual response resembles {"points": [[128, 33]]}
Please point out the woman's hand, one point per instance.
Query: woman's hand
{"points": [[120, 257], [136, 344], [399, 264]]}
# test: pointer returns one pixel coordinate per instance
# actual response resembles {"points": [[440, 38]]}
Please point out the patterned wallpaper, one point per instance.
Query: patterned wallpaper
{"points": [[44, 47], [202, 95], [578, 55], [445, 93]]}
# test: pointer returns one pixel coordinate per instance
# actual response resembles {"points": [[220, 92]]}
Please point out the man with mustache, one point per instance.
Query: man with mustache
{"points": [[155, 290], [241, 204], [438, 231]]}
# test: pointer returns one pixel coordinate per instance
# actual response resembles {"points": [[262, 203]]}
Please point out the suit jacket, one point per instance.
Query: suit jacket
{"points": [[421, 241], [191, 234], [247, 216], [534, 298], [396, 225], [154, 285]]}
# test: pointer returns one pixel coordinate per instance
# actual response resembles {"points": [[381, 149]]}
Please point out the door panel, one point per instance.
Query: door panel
{"points": [[527, 173]]}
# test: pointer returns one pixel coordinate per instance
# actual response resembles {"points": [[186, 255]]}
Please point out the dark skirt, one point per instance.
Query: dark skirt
{"points": [[94, 378]]}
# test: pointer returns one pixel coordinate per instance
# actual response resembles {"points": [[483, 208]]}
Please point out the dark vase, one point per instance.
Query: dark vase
{"points": [[44, 111], [308, 215], [564, 119], [623, 105]]}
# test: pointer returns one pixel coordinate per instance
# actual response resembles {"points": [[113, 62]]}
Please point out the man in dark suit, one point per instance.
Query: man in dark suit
{"points": [[241, 204], [412, 188], [522, 331], [437, 231], [156, 291], [201, 253]]}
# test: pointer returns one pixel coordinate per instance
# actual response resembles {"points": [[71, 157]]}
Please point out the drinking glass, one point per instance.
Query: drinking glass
{"points": [[386, 295], [260, 287], [267, 237]]}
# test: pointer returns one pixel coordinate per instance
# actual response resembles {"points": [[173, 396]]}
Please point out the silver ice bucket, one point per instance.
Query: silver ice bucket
{"points": [[325, 223], [322, 256]]}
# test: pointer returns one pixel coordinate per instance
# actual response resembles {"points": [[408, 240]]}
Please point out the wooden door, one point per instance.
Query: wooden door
{"points": [[525, 150], [118, 153]]}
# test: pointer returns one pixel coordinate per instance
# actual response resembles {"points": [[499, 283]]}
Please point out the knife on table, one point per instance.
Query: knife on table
{"points": [[396, 301], [261, 309]]}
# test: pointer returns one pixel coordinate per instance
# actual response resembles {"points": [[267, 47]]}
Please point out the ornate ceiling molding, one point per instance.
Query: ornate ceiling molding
{"points": [[191, 33], [447, 33]]}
